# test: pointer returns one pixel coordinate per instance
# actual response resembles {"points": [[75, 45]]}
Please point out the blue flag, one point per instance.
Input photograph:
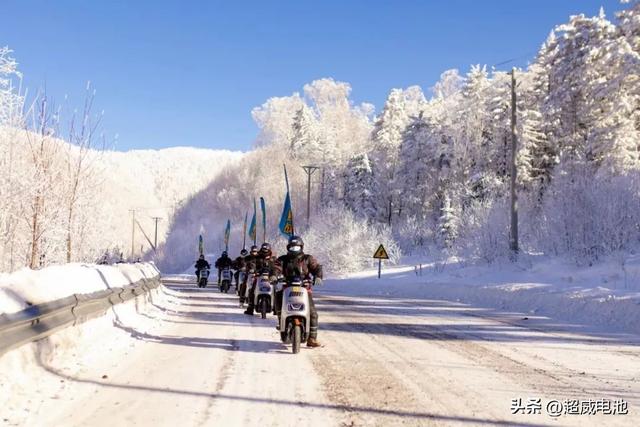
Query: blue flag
{"points": [[252, 227], [263, 206], [227, 234], [286, 220]]}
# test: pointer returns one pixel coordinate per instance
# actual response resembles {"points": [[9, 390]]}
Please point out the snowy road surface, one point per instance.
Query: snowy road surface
{"points": [[386, 361]]}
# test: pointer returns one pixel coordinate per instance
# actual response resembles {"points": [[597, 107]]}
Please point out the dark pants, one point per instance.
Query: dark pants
{"points": [[252, 293], [313, 313], [242, 290]]}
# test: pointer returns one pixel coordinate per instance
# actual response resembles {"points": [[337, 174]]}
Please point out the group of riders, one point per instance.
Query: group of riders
{"points": [[293, 265]]}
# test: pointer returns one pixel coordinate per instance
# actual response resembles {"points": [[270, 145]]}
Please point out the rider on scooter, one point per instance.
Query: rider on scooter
{"points": [[223, 262], [250, 261], [298, 264], [264, 261], [240, 264], [201, 263]]}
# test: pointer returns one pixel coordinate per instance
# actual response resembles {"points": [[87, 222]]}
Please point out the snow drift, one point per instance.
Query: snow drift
{"points": [[27, 287]]}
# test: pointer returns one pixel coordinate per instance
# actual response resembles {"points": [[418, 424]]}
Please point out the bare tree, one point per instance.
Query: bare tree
{"points": [[40, 212], [80, 157]]}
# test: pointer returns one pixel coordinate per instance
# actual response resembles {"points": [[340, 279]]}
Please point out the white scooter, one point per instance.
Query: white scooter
{"points": [[203, 276], [295, 316], [225, 280], [264, 295]]}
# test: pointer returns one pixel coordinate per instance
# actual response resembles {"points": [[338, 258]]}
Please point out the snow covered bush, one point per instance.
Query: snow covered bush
{"points": [[484, 230], [588, 217], [415, 236], [343, 243]]}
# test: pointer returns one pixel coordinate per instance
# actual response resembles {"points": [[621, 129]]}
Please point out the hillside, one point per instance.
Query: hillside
{"points": [[154, 183]]}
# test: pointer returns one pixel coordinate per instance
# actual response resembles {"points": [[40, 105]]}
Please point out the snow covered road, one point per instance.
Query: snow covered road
{"points": [[386, 361]]}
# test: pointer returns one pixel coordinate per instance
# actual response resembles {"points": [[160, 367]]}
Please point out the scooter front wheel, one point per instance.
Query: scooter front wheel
{"points": [[263, 309], [297, 337]]}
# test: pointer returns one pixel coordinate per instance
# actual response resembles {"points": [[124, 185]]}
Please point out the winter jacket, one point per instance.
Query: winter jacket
{"points": [[299, 265], [270, 264], [223, 262], [202, 263], [240, 263]]}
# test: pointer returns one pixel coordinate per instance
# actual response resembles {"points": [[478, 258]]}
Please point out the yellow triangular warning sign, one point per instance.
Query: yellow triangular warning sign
{"points": [[381, 253]]}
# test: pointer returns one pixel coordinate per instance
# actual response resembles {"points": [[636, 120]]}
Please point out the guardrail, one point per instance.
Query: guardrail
{"points": [[41, 320]]}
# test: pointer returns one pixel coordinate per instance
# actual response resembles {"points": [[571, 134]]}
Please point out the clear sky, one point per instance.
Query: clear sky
{"points": [[189, 72]]}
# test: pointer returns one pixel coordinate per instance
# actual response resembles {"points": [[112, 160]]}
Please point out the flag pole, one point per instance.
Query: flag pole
{"points": [[255, 216], [264, 219], [244, 232], [286, 180]]}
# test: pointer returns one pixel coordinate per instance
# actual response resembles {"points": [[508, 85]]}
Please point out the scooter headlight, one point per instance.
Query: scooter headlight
{"points": [[295, 307]]}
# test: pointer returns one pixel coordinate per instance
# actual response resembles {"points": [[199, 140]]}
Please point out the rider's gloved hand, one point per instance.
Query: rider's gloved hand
{"points": [[273, 279], [317, 281]]}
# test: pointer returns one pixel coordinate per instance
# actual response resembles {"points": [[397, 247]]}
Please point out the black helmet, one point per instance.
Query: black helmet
{"points": [[254, 249], [201, 256], [265, 249], [224, 254], [244, 252], [295, 244]]}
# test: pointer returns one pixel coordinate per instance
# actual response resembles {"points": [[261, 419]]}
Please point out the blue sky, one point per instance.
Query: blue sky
{"points": [[189, 72]]}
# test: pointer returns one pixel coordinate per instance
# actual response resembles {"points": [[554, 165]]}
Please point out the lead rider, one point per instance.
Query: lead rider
{"points": [[298, 264]]}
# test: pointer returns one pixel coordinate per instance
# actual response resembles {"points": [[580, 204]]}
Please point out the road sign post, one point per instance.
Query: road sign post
{"points": [[380, 254]]}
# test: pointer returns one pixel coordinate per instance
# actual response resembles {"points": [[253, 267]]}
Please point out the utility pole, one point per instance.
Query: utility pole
{"points": [[513, 236], [133, 232], [310, 170], [155, 240], [322, 187]]}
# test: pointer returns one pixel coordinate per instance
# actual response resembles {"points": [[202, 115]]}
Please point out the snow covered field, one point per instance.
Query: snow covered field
{"points": [[604, 296], [399, 350]]}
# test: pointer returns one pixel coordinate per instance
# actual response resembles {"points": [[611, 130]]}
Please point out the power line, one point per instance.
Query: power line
{"points": [[525, 55]]}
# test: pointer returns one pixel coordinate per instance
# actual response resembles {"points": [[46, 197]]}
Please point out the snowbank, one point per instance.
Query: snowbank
{"points": [[27, 287], [605, 296], [26, 368]]}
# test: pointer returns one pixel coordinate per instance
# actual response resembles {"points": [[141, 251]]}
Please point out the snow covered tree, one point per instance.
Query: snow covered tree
{"points": [[13, 184], [572, 105], [305, 143], [537, 155], [81, 154], [447, 222], [359, 187], [614, 140], [417, 173], [275, 118], [387, 136]]}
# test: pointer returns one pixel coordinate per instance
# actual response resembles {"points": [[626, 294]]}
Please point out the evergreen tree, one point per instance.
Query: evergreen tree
{"points": [[305, 143], [359, 187], [417, 171], [447, 223]]}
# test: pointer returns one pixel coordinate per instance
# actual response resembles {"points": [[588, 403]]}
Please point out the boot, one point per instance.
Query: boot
{"points": [[249, 311], [313, 342]]}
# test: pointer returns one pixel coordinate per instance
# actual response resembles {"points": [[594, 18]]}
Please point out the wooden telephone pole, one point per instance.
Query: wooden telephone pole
{"points": [[310, 170], [155, 239]]}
